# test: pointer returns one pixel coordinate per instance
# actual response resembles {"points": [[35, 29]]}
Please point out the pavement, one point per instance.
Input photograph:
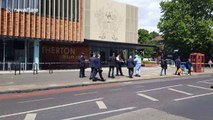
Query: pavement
{"points": [[28, 82]]}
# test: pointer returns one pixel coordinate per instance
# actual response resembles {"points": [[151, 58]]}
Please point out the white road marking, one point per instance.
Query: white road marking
{"points": [[10, 83], [101, 105], [159, 88], [31, 116], [36, 100], [195, 96], [88, 93], [206, 82], [148, 97], [49, 108], [200, 87], [100, 113], [186, 93]]}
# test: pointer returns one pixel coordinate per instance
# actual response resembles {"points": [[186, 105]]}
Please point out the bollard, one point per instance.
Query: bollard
{"points": [[15, 69], [36, 68], [50, 70], [19, 68]]}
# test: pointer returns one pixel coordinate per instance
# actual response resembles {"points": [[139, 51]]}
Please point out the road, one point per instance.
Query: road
{"points": [[181, 98]]}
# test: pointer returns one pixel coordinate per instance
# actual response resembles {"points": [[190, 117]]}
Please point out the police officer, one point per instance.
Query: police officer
{"points": [[130, 66], [112, 64], [82, 65]]}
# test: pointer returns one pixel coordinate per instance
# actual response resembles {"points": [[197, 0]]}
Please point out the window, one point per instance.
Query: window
{"points": [[9, 4], [26, 4], [37, 6], [52, 8], [32, 2], [42, 7], [73, 10], [15, 4], [3, 5], [61, 8], [21, 4], [78, 7], [65, 8], [47, 8], [57, 8], [70, 9]]}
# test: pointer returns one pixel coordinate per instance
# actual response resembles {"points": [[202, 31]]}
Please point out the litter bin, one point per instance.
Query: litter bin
{"points": [[197, 62]]}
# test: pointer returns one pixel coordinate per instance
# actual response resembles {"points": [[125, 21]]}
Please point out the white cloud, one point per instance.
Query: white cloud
{"points": [[149, 13]]}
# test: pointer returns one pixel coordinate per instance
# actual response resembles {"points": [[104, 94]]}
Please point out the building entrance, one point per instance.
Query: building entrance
{"points": [[14, 51]]}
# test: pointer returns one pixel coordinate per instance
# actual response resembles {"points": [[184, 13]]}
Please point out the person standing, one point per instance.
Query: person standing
{"points": [[112, 64], [82, 65], [178, 65], [92, 65], [119, 62], [163, 66], [130, 66], [98, 69], [137, 61], [210, 63], [189, 66]]}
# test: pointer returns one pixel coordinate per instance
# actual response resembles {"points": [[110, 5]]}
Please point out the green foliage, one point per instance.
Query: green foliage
{"points": [[188, 26], [145, 38]]}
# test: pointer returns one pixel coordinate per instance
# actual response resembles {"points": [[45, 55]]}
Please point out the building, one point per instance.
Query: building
{"points": [[58, 31], [40, 31]]}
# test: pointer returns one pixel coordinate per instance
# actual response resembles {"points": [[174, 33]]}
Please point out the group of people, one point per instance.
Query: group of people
{"points": [[96, 67], [133, 64], [178, 65]]}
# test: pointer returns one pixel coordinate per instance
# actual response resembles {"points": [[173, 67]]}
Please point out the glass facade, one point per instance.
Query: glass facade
{"points": [[15, 51], [59, 8]]}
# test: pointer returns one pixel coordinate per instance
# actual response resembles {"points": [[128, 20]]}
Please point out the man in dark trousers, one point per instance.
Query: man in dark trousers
{"points": [[98, 69], [92, 65], [82, 65], [177, 64], [112, 64], [119, 62], [130, 66], [163, 66], [189, 66]]}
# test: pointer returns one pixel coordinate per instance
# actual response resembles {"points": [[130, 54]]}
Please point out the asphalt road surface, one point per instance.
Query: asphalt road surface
{"points": [[181, 98]]}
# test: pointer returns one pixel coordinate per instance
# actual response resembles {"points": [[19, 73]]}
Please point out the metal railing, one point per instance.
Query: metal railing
{"points": [[21, 67]]}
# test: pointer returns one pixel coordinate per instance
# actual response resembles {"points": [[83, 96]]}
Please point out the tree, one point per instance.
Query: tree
{"points": [[153, 34], [187, 25], [144, 37]]}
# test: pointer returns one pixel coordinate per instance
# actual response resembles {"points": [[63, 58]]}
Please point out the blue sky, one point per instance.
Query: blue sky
{"points": [[149, 13]]}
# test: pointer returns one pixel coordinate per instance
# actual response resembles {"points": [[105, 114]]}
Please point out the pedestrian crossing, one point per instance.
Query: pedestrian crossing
{"points": [[200, 89]]}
